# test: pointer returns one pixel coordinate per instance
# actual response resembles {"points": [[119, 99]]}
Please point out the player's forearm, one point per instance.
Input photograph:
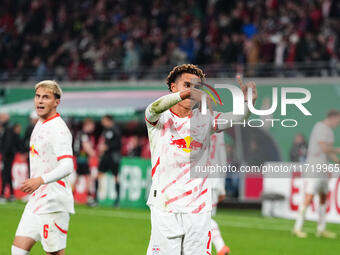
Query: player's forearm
{"points": [[162, 104], [64, 169], [328, 148], [88, 149], [334, 158], [226, 119]]}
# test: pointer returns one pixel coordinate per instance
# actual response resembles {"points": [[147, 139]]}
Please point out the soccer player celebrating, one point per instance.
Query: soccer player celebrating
{"points": [[320, 150], [218, 156], [179, 140], [46, 215]]}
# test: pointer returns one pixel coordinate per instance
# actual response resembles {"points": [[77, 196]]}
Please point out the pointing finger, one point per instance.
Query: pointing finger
{"points": [[239, 79]]}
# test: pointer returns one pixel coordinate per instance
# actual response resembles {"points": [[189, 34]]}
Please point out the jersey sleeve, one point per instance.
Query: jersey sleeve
{"points": [[62, 144], [154, 110]]}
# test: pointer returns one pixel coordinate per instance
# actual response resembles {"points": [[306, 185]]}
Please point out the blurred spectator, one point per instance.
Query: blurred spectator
{"points": [[4, 120], [84, 150], [298, 152], [131, 59], [4, 117], [10, 145], [33, 118], [78, 70], [131, 146], [255, 155], [109, 147]]}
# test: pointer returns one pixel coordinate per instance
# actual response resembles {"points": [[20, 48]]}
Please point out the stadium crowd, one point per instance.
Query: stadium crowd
{"points": [[114, 39]]}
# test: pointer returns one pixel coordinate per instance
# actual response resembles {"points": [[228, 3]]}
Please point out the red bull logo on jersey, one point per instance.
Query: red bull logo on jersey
{"points": [[156, 250], [186, 144], [33, 151]]}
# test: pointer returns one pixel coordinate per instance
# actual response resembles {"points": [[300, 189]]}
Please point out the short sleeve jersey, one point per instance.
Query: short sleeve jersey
{"points": [[320, 133]]}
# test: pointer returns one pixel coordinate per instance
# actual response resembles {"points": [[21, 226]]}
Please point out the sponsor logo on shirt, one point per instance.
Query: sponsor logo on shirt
{"points": [[156, 250], [186, 144]]}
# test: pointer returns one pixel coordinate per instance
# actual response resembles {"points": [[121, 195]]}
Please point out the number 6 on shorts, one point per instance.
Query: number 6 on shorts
{"points": [[45, 231]]}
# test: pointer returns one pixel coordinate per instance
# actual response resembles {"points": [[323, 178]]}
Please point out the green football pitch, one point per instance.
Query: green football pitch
{"points": [[126, 231]]}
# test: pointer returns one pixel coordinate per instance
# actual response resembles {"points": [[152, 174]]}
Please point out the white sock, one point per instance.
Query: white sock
{"points": [[322, 218], [216, 236], [300, 218], [19, 251]]}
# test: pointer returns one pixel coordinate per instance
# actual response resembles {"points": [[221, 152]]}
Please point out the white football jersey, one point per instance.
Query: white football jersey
{"points": [[320, 133], [50, 142], [178, 144]]}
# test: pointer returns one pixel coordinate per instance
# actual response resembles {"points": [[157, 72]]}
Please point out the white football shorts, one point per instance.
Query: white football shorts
{"points": [[51, 229], [316, 186], [179, 233]]}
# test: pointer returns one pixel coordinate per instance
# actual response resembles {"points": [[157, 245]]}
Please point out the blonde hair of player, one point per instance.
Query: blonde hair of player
{"points": [[52, 86]]}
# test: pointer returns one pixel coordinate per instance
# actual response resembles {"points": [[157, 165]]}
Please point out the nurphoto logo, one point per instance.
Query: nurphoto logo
{"points": [[239, 105]]}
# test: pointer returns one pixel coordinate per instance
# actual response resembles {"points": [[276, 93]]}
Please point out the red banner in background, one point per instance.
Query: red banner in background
{"points": [[253, 186], [19, 174]]}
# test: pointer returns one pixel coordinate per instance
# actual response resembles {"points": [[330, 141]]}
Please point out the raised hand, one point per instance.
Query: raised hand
{"points": [[244, 88]]}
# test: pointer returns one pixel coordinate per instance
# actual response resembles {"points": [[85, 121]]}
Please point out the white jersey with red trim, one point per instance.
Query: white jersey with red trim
{"points": [[177, 144], [50, 142]]}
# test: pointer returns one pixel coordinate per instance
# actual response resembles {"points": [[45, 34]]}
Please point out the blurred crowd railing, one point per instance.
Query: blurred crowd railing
{"points": [[294, 69]]}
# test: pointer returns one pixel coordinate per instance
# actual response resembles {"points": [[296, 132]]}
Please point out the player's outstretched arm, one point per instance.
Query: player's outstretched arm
{"points": [[245, 87], [328, 148], [334, 158], [330, 151], [164, 103], [64, 169]]}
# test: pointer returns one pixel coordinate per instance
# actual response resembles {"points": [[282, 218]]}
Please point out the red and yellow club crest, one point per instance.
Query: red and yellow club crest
{"points": [[186, 144]]}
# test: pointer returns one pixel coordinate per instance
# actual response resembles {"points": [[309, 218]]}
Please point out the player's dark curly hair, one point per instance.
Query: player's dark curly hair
{"points": [[177, 71]]}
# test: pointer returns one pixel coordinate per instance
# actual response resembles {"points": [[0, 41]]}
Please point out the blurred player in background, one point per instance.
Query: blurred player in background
{"points": [[10, 145], [4, 119], [179, 140], [84, 149], [320, 151], [47, 213], [298, 152], [218, 156], [109, 149]]}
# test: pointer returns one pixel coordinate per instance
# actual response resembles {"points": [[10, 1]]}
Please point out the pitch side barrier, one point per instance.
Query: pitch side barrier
{"points": [[290, 191]]}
